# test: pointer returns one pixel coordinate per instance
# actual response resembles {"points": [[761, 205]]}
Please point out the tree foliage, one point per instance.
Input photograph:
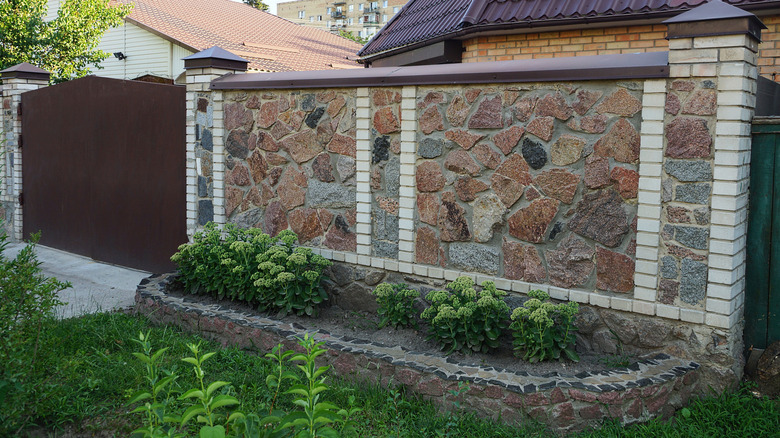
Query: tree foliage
{"points": [[257, 4], [351, 36], [65, 46]]}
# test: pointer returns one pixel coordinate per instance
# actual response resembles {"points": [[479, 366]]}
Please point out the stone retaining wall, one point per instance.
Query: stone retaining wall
{"points": [[646, 389]]}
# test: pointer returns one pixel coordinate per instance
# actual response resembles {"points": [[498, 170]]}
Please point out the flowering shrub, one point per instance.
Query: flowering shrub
{"points": [[542, 330], [395, 304], [464, 319], [249, 265]]}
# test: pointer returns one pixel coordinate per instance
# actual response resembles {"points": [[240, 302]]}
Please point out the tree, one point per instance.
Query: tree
{"points": [[65, 46], [351, 36], [257, 4]]}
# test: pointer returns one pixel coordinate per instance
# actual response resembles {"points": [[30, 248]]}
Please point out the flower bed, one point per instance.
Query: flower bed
{"points": [[645, 389]]}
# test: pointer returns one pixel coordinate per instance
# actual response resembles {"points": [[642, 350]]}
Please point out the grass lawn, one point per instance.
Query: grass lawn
{"points": [[84, 373]]}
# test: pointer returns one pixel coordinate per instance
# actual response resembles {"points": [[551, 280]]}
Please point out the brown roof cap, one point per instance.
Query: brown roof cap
{"points": [[268, 42], [424, 22], [635, 66]]}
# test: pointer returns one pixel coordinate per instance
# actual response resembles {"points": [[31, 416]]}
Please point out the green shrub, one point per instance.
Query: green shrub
{"points": [[249, 265], [542, 330], [29, 300], [464, 319], [396, 303]]}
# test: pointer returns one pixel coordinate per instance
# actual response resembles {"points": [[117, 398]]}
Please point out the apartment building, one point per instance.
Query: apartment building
{"points": [[362, 18]]}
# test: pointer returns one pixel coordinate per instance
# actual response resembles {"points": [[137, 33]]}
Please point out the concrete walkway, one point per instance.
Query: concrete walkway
{"points": [[97, 287]]}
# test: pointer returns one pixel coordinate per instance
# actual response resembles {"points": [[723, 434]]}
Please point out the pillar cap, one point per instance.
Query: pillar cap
{"points": [[25, 70], [714, 18], [216, 57]]}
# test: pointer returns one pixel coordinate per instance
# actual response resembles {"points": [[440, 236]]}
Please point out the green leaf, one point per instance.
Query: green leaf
{"points": [[212, 432], [192, 393], [191, 412], [138, 396], [223, 400], [215, 386]]}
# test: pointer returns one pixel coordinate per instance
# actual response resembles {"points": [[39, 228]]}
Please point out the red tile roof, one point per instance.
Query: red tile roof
{"points": [[423, 22], [269, 43]]}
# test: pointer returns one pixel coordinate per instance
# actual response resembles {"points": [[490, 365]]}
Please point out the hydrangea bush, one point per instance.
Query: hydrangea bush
{"points": [[251, 266], [543, 330], [462, 319], [396, 304]]}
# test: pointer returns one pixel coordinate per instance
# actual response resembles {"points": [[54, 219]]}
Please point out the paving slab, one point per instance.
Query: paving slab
{"points": [[97, 287]]}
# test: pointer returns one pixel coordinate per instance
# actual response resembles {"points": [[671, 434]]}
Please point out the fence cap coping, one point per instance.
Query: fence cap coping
{"points": [[215, 57], [25, 70], [601, 67], [698, 22]]}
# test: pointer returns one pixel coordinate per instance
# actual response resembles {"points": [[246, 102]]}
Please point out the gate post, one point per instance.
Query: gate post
{"points": [[205, 136], [710, 105], [16, 81]]}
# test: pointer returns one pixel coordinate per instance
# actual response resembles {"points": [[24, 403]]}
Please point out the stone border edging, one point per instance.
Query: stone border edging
{"points": [[646, 389]]}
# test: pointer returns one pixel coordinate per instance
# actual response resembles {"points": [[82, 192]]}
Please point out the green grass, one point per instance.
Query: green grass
{"points": [[85, 372]]}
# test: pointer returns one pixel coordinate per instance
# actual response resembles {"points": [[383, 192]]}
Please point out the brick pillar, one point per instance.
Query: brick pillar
{"points": [[205, 135], [17, 80], [709, 108]]}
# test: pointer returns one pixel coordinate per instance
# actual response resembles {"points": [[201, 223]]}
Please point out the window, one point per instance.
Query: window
{"points": [[384, 18], [319, 17], [328, 11], [351, 8], [395, 9], [384, 4], [302, 14], [311, 19], [360, 7], [349, 21]]}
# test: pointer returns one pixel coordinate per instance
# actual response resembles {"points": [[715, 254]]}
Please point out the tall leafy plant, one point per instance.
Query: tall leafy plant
{"points": [[462, 319], [543, 330]]}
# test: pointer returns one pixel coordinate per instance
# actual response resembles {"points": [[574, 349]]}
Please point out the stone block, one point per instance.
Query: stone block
{"points": [[689, 171], [693, 281], [474, 257], [693, 193]]}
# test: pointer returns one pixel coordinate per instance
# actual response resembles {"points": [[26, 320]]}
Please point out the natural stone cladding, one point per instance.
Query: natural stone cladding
{"points": [[534, 182], [690, 115], [648, 388], [290, 163], [386, 169], [204, 154]]}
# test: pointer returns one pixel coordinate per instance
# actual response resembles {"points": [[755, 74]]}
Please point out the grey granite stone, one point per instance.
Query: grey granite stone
{"points": [[384, 249], [689, 171], [329, 195], [203, 186], [692, 193], [205, 212], [474, 257], [669, 267], [692, 237], [430, 147], [667, 186], [693, 281], [249, 218], [385, 225], [393, 176]]}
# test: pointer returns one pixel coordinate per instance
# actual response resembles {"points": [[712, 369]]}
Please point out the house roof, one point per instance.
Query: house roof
{"points": [[268, 42], [424, 22]]}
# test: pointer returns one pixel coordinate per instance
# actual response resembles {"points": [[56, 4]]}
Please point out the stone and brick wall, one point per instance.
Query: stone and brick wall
{"points": [[628, 196], [604, 41]]}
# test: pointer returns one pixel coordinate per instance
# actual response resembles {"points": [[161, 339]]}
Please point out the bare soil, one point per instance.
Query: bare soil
{"points": [[365, 326]]}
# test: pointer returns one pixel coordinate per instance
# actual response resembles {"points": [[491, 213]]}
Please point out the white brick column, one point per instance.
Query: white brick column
{"points": [[363, 175], [729, 60], [408, 188], [649, 208], [201, 69], [17, 80]]}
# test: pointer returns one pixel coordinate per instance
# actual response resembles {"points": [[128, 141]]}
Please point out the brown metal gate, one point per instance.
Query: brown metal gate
{"points": [[104, 170]]}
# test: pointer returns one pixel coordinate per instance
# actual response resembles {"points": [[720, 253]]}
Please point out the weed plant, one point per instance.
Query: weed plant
{"points": [[462, 319], [249, 265], [88, 364], [396, 305]]}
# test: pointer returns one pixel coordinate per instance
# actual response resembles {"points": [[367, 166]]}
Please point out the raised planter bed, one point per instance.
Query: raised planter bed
{"points": [[647, 388]]}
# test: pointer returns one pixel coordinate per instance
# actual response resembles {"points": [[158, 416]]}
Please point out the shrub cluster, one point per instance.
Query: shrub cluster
{"points": [[396, 303], [463, 319], [251, 266], [543, 330]]}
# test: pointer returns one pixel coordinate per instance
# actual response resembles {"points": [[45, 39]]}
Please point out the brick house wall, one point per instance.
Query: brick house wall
{"points": [[604, 41]]}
